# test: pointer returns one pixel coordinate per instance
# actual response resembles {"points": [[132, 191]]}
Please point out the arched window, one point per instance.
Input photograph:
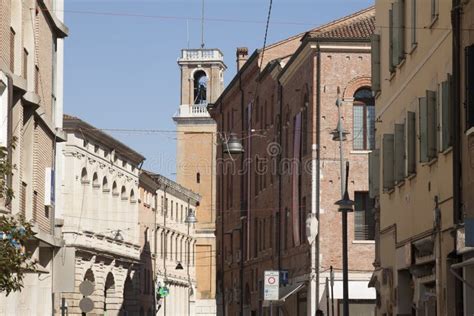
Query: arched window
{"points": [[95, 180], [200, 87], [84, 178], [114, 188], [132, 196], [123, 193], [363, 120], [198, 177], [105, 184]]}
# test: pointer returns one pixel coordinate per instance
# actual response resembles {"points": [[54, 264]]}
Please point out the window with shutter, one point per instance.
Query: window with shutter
{"points": [[363, 120], [410, 143], [431, 98], [400, 29], [428, 126], [446, 114], [469, 53], [391, 66], [12, 50], [413, 22], [399, 153], [434, 9], [364, 226], [374, 173], [375, 59], [388, 162]]}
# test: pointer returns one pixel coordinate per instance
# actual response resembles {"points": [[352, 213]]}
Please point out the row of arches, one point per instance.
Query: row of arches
{"points": [[105, 185]]}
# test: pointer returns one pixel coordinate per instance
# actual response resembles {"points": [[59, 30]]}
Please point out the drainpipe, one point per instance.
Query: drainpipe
{"points": [[242, 244], [278, 168], [318, 164], [221, 207], [456, 121]]}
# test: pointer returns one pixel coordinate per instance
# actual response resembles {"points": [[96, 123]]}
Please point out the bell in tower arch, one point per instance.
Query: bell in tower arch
{"points": [[200, 87]]}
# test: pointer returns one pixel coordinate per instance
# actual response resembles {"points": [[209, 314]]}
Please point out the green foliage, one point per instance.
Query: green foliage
{"points": [[14, 235], [14, 260]]}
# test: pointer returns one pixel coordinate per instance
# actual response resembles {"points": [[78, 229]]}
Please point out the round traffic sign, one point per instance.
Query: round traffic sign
{"points": [[86, 288], [86, 305], [271, 280]]}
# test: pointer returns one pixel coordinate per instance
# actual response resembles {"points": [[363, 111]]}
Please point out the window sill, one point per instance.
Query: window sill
{"points": [[447, 150], [85, 182], [433, 21], [389, 191], [413, 48], [369, 242], [470, 131], [411, 176], [432, 161], [401, 63], [400, 183], [360, 152], [392, 75]]}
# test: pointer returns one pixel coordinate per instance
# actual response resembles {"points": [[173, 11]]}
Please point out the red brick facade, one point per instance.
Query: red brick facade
{"points": [[258, 226]]}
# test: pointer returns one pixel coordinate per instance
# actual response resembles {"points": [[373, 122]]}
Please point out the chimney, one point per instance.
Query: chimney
{"points": [[242, 56]]}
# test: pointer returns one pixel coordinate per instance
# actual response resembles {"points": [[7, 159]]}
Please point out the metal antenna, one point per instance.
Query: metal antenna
{"points": [[202, 25], [187, 32]]}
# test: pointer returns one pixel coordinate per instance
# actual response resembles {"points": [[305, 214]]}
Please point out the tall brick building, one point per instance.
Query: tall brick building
{"points": [[31, 98], [281, 106]]}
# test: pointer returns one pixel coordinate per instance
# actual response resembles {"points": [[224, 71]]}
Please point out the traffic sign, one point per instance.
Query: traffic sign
{"points": [[86, 305], [271, 285], [86, 288]]}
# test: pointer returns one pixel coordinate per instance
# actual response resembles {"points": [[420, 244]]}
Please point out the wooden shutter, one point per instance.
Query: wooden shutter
{"points": [[432, 123], [390, 41], [423, 121], [12, 50], [446, 114], [410, 143], [413, 22], [375, 59], [469, 51], [374, 173], [388, 175], [399, 152], [400, 29]]}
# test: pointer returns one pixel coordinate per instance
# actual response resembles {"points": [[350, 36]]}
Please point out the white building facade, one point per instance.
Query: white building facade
{"points": [[175, 258], [99, 203]]}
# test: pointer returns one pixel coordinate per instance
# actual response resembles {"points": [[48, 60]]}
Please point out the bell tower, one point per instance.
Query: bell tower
{"points": [[202, 82]]}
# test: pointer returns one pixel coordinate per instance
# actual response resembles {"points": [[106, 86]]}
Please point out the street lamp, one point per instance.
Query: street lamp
{"points": [[345, 204], [232, 145]]}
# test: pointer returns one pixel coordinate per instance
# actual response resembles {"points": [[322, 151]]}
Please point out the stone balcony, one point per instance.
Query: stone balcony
{"points": [[192, 55], [192, 111]]}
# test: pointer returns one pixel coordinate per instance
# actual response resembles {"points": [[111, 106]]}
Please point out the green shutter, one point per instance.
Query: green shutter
{"points": [[423, 121], [391, 65], [399, 152], [396, 33], [410, 143], [432, 123], [446, 115], [388, 181], [375, 52], [374, 173], [401, 30]]}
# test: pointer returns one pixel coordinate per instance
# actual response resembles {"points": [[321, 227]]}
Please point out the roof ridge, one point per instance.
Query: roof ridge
{"points": [[321, 27]]}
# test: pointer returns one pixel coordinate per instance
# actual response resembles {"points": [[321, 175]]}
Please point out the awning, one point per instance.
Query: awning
{"points": [[287, 291], [463, 264]]}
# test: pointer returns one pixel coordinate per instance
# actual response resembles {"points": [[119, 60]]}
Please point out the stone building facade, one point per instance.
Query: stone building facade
{"points": [[283, 111], [31, 103], [202, 81], [100, 212], [175, 260], [412, 171]]}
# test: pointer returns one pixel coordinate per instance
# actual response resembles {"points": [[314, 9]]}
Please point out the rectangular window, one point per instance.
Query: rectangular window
{"points": [[469, 55], [375, 60], [410, 143], [428, 128], [23, 198], [25, 64], [12, 50], [37, 83], [171, 209], [388, 162], [399, 153], [364, 226], [304, 130], [413, 22], [446, 112], [358, 127], [434, 9], [363, 127]]}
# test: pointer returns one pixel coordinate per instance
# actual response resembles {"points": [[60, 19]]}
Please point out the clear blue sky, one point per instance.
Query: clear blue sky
{"points": [[120, 58]]}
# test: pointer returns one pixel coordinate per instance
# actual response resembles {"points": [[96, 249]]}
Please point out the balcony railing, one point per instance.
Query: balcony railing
{"points": [[201, 54], [193, 110]]}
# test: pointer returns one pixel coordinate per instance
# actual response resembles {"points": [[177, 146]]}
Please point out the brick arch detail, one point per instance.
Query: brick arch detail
{"points": [[355, 84]]}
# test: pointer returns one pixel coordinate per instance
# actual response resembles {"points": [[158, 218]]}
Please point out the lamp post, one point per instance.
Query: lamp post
{"points": [[190, 219], [345, 204]]}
